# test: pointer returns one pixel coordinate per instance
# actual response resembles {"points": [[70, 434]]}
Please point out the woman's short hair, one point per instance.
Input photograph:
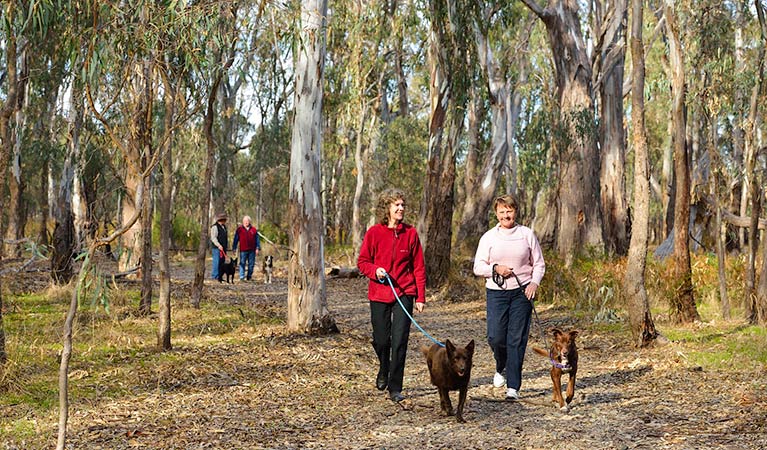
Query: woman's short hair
{"points": [[385, 200], [507, 200]]}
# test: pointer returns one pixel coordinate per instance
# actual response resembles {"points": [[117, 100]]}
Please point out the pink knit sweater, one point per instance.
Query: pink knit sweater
{"points": [[517, 248]]}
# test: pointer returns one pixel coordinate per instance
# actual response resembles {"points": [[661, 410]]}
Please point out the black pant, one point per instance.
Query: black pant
{"points": [[391, 330]]}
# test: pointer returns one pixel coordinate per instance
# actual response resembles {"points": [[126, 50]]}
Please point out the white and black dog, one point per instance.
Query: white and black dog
{"points": [[268, 267]]}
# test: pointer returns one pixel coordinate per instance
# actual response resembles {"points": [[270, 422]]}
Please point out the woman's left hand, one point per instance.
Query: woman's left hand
{"points": [[419, 306], [530, 291]]}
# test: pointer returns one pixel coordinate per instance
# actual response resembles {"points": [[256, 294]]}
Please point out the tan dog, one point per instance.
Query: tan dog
{"points": [[450, 370], [563, 357]]}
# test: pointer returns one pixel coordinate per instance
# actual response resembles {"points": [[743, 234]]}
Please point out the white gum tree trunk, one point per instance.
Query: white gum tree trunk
{"points": [[579, 221], [307, 302], [480, 193]]}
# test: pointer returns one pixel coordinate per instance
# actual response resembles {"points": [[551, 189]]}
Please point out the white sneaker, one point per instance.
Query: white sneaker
{"points": [[498, 380], [512, 394]]}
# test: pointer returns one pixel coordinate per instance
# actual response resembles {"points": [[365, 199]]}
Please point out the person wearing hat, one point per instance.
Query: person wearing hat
{"points": [[219, 239]]}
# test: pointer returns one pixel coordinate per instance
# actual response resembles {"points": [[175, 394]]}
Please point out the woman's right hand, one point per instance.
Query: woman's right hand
{"points": [[381, 273], [503, 271]]}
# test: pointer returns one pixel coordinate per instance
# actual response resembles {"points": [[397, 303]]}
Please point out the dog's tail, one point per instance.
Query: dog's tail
{"points": [[540, 351]]}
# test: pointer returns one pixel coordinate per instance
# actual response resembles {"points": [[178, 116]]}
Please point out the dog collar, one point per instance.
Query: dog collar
{"points": [[565, 367]]}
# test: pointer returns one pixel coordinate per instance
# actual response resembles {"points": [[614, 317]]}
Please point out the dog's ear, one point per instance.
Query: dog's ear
{"points": [[450, 347], [470, 347], [556, 332], [574, 334]]}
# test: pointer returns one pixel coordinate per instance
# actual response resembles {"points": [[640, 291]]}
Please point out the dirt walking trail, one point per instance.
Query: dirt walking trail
{"points": [[265, 389]]}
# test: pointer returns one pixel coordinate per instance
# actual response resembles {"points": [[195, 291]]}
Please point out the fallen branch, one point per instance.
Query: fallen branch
{"points": [[20, 268], [125, 273], [738, 221], [16, 241], [344, 272]]}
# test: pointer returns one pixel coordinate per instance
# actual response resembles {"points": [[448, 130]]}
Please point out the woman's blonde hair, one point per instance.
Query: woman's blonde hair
{"points": [[507, 200], [385, 200]]}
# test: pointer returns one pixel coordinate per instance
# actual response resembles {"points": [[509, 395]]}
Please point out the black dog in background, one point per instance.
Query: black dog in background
{"points": [[228, 269]]}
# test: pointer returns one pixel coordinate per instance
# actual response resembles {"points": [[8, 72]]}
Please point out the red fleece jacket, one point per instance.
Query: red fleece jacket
{"points": [[398, 250]]}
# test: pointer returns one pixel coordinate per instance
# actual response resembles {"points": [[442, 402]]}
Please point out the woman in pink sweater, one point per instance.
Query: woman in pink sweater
{"points": [[510, 258]]}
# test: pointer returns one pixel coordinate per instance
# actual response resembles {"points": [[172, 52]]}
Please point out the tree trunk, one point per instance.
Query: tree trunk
{"points": [[147, 214], [132, 240], [17, 183], [210, 141], [475, 117], [514, 106], [3, 354], [43, 239], [759, 308], [337, 198], [45, 126], [579, 224], [307, 302], [230, 118], [612, 171], [756, 302], [683, 300], [481, 192], [64, 244], [447, 65], [166, 204], [399, 67], [7, 108], [66, 352], [719, 234], [227, 148], [144, 124], [360, 162], [739, 113], [640, 318]]}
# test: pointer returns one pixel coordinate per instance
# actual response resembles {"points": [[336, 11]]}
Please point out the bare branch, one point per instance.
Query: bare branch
{"points": [[536, 8]]}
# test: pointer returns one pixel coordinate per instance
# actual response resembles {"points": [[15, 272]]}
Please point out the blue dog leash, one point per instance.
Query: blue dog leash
{"points": [[388, 278]]}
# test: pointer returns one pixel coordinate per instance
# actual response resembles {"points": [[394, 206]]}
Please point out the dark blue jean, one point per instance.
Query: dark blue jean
{"points": [[216, 261], [508, 324], [248, 256]]}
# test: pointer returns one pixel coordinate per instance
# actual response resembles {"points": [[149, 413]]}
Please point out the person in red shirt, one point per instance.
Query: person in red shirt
{"points": [[392, 247], [246, 236]]}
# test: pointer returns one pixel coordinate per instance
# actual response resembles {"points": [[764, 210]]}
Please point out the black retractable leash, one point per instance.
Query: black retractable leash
{"points": [[554, 362], [500, 281]]}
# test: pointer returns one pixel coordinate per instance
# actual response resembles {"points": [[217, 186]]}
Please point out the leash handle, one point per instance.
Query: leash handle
{"points": [[394, 291]]}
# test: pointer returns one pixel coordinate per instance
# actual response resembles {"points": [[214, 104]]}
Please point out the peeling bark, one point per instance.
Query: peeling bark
{"points": [[640, 318], [684, 300], [579, 221], [307, 302]]}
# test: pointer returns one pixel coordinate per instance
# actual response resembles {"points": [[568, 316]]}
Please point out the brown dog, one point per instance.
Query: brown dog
{"points": [[564, 359], [450, 370]]}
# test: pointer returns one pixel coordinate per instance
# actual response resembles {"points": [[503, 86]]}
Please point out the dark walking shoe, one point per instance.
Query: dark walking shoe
{"points": [[381, 381], [396, 396]]}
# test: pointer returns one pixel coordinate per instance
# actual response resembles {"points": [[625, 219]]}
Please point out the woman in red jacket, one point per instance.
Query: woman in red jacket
{"points": [[392, 247]]}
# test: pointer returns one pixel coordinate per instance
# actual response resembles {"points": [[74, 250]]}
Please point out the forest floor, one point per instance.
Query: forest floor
{"points": [[237, 380]]}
